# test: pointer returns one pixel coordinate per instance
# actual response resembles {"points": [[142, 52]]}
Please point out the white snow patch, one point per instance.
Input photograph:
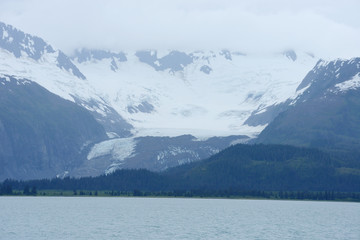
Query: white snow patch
{"points": [[118, 149], [101, 112], [239, 141], [301, 91], [295, 97], [322, 63], [112, 135], [46, 73], [62, 175], [174, 151], [201, 139], [351, 84], [19, 81], [5, 34], [261, 111], [112, 168]]}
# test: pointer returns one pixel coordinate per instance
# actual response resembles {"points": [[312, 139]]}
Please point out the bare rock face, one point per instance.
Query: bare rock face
{"points": [[326, 114], [41, 134]]}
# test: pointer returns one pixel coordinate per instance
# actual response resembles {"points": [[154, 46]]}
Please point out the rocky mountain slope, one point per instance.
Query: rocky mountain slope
{"points": [[327, 112], [41, 134], [163, 108], [27, 56]]}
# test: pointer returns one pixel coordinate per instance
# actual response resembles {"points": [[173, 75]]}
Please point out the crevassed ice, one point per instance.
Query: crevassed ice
{"points": [[119, 149]]}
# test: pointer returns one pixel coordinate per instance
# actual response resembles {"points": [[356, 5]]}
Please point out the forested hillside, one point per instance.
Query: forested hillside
{"points": [[236, 169]]}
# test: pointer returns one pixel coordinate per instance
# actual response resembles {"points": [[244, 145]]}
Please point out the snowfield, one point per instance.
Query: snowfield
{"points": [[169, 102], [351, 84], [117, 149], [191, 101], [141, 98], [160, 92]]}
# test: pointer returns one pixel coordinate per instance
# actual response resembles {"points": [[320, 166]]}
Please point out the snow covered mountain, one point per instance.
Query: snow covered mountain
{"points": [[204, 93], [214, 95], [42, 134], [325, 114], [167, 93], [30, 57]]}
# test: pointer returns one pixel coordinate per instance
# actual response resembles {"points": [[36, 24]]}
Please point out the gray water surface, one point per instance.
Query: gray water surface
{"points": [[170, 218]]}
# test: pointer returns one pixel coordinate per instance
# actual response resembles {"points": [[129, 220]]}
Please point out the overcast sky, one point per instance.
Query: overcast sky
{"points": [[326, 28]]}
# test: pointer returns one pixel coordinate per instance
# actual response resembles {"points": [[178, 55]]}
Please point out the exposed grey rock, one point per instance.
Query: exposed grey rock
{"points": [[174, 61], [64, 62], [325, 115], [85, 55], [16, 42], [267, 115], [206, 69], [226, 54], [107, 117], [144, 107], [290, 54], [42, 134]]}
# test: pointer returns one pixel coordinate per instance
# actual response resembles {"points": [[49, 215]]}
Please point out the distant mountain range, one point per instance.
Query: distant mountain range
{"points": [[97, 110]]}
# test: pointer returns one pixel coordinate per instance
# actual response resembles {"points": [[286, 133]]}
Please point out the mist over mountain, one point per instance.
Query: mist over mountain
{"points": [[157, 109]]}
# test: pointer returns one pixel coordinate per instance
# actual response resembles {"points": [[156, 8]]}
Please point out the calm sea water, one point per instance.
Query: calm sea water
{"points": [[170, 218]]}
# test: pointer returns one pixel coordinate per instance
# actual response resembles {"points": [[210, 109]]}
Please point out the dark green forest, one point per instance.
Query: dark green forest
{"points": [[264, 171]]}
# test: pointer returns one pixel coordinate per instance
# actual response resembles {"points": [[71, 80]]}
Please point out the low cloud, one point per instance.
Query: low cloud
{"points": [[326, 29]]}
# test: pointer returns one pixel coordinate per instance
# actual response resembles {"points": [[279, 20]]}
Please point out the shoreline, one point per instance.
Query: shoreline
{"points": [[169, 195]]}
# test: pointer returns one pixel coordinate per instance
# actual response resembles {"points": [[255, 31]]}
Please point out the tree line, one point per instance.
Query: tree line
{"points": [[261, 171]]}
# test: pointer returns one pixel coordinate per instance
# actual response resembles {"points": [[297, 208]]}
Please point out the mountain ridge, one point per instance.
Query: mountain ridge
{"points": [[165, 108], [41, 134], [326, 113]]}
